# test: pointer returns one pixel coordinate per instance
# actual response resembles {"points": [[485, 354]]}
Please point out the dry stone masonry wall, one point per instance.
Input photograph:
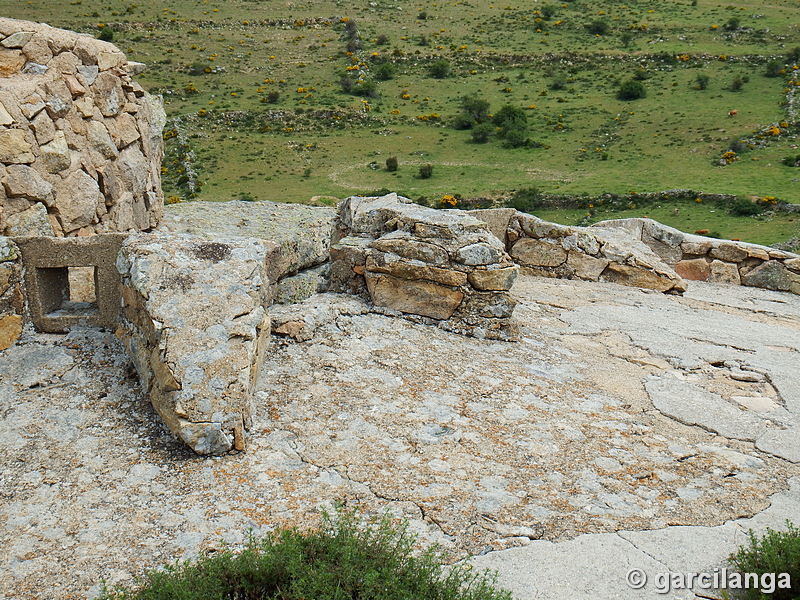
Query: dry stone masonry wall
{"points": [[441, 265], [80, 141], [701, 258]]}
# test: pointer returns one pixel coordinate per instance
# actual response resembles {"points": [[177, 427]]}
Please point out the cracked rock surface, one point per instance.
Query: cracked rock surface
{"points": [[581, 427]]}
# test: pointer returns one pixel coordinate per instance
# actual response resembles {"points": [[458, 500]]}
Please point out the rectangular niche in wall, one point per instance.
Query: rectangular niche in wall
{"points": [[72, 281]]}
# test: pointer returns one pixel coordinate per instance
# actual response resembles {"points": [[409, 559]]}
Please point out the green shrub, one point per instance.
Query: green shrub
{"points": [[391, 164], [776, 552], [106, 34], [791, 161], [598, 27], [511, 117], [793, 56], [344, 560], [481, 133], [526, 200], [742, 207], [631, 90], [462, 122], [384, 71], [733, 24], [425, 171], [516, 138], [702, 81], [548, 11], [773, 68], [737, 84], [440, 69], [474, 107]]}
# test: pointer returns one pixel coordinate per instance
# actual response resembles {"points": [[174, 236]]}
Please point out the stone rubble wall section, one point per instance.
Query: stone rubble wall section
{"points": [[444, 266], [196, 328], [700, 258], [552, 250], [12, 301], [80, 141]]}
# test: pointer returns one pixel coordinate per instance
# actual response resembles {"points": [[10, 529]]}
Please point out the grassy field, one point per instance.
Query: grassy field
{"points": [[255, 90]]}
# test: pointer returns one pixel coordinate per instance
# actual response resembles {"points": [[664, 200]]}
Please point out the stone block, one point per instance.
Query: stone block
{"points": [[729, 252], [497, 221], [10, 330], [417, 297], [538, 253], [403, 244], [696, 269], [494, 279], [31, 222], [636, 277], [391, 264], [724, 272], [586, 267], [15, 147], [771, 275], [196, 329]]}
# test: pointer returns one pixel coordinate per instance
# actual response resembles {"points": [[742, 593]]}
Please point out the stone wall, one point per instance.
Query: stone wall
{"points": [[80, 141], [11, 293], [443, 265], [701, 258]]}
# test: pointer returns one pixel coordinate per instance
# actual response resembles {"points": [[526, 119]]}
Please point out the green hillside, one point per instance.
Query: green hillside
{"points": [[286, 101]]}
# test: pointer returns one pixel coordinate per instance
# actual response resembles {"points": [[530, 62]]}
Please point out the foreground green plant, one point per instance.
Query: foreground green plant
{"points": [[775, 553], [345, 559]]}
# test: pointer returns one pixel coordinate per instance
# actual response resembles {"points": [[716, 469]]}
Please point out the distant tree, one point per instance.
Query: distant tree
{"points": [[631, 90], [516, 138], [793, 56], [511, 117], [548, 11], [382, 39], [391, 164], [702, 81], [737, 84], [733, 24], [425, 171]]}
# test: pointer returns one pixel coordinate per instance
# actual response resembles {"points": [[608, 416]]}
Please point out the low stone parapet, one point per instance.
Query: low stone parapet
{"points": [[700, 258], [441, 265], [195, 326], [552, 250]]}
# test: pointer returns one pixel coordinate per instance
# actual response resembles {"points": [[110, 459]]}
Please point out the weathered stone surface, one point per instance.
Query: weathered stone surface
{"points": [[586, 267], [729, 252], [100, 140], [58, 100], [497, 220], [300, 235], [56, 155], [697, 269], [538, 253], [123, 130], [391, 264], [771, 275], [110, 59], [196, 330], [11, 62], [479, 254], [109, 97], [10, 330], [636, 277], [417, 297], [18, 39], [724, 272], [43, 128], [490, 305], [498, 279], [793, 264], [22, 180], [403, 244], [33, 221], [77, 198], [302, 286], [15, 147]]}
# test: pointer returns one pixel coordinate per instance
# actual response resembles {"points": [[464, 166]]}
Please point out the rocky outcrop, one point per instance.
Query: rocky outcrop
{"points": [[702, 258], [441, 265], [11, 299], [80, 141], [195, 326], [552, 250]]}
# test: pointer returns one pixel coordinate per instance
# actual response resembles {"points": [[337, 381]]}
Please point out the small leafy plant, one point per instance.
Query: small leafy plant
{"points": [[344, 560], [776, 552]]}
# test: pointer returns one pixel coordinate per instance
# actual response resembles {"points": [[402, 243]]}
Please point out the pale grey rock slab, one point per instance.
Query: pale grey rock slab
{"points": [[27, 366], [589, 566]]}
